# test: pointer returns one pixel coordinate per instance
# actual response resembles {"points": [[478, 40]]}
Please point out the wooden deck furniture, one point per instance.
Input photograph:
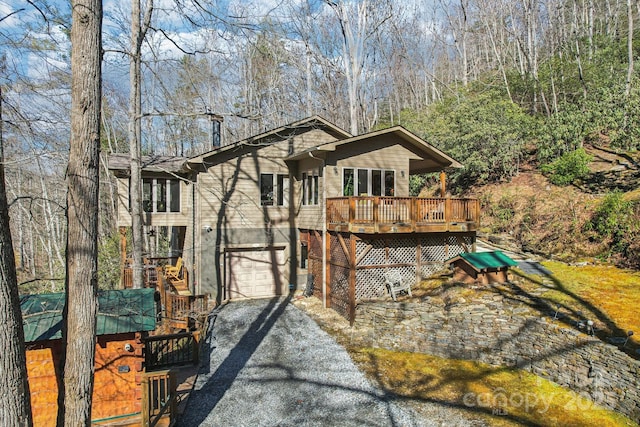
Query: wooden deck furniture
{"points": [[173, 271], [377, 214]]}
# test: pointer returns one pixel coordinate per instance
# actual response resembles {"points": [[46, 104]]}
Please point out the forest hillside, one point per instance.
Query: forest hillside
{"points": [[539, 100]]}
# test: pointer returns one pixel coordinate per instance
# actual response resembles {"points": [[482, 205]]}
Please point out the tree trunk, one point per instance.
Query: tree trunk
{"points": [[15, 405], [135, 130], [627, 90], [138, 32], [79, 320]]}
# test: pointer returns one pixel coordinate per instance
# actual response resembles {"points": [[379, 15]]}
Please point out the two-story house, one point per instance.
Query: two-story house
{"points": [[256, 218]]}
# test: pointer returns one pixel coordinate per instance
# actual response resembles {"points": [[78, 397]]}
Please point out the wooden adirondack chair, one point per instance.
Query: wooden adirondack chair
{"points": [[173, 272]]}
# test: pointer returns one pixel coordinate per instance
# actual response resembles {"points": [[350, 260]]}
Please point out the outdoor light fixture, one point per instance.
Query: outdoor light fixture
{"points": [[629, 335], [128, 347], [207, 228], [590, 327], [555, 316], [335, 170]]}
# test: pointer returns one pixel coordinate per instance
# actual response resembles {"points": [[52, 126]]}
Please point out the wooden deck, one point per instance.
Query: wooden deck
{"points": [[372, 215]]}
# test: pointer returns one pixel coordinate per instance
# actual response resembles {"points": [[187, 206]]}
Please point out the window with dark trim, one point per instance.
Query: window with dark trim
{"points": [[310, 188], [304, 254], [266, 189], [160, 195], [274, 189]]}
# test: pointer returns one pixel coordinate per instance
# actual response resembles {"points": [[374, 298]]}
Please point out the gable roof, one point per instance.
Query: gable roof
{"points": [[161, 164], [434, 159], [484, 260], [119, 311], [279, 134]]}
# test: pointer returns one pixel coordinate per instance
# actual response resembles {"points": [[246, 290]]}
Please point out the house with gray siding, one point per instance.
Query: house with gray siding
{"points": [[304, 202]]}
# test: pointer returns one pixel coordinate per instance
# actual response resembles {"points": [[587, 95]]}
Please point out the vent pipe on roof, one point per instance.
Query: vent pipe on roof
{"points": [[216, 120]]}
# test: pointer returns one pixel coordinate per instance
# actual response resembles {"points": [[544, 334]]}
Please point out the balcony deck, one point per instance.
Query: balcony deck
{"points": [[377, 214]]}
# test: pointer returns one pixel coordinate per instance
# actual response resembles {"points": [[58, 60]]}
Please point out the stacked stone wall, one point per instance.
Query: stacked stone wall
{"points": [[499, 331]]}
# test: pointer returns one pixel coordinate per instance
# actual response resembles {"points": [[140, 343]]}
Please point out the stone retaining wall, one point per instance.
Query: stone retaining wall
{"points": [[496, 330]]}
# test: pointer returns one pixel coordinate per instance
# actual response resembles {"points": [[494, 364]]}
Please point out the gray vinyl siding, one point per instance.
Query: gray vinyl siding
{"points": [[394, 157], [228, 200]]}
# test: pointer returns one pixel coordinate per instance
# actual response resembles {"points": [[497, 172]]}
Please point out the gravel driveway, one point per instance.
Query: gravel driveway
{"points": [[269, 364]]}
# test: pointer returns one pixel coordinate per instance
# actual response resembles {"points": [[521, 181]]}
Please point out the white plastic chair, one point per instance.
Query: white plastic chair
{"points": [[396, 284]]}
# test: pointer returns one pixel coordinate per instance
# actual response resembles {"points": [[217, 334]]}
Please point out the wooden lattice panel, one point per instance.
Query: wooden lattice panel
{"points": [[340, 290], [337, 252], [408, 273], [377, 255], [433, 249], [427, 271], [468, 240], [315, 245], [315, 268], [402, 250], [370, 283], [455, 246]]}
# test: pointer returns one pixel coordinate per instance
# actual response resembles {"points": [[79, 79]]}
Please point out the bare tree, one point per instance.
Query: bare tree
{"points": [[358, 23], [15, 407], [79, 317], [138, 33], [627, 90]]}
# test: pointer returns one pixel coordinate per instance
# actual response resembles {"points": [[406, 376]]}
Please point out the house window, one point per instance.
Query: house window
{"points": [[347, 182], [376, 182], [310, 188], [389, 183], [266, 189], [274, 189], [160, 195], [368, 182], [304, 254], [363, 182], [283, 190]]}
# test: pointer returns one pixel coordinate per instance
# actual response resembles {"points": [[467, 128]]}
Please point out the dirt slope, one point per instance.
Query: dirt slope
{"points": [[531, 214]]}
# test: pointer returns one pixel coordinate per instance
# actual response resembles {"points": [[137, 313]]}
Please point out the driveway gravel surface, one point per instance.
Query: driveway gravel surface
{"points": [[266, 363]]}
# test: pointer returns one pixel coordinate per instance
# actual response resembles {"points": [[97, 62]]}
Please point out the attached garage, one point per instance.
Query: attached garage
{"points": [[251, 273]]}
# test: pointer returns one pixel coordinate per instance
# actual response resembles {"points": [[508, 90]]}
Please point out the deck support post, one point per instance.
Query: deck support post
{"points": [[326, 266], [352, 280]]}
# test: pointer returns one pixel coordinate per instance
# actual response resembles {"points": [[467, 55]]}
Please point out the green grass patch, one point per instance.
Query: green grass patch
{"points": [[500, 396], [603, 293]]}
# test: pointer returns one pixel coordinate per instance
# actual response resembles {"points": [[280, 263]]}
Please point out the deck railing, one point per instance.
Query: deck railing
{"points": [[151, 269], [171, 350], [402, 214], [158, 397], [186, 310]]}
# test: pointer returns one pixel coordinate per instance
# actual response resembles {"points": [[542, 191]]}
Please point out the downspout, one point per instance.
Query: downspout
{"points": [[195, 277], [324, 231]]}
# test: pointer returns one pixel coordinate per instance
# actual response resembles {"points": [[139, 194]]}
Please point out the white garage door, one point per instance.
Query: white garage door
{"points": [[255, 274]]}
